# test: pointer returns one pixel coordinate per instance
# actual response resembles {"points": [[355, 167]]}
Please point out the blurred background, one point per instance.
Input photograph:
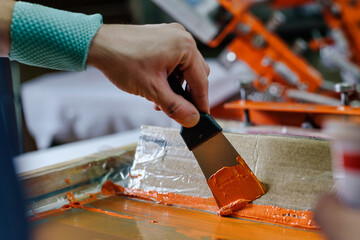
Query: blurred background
{"points": [[281, 52]]}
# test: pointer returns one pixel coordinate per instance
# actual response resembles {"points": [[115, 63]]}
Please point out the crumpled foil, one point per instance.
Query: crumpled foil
{"points": [[294, 170], [164, 164]]}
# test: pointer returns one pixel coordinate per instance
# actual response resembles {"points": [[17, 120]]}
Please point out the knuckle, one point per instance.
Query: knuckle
{"points": [[177, 25], [188, 43], [203, 86], [202, 94], [207, 69], [172, 109], [153, 90], [188, 38]]}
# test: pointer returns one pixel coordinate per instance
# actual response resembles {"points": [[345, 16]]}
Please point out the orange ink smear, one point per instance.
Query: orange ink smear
{"points": [[274, 214], [73, 203], [234, 187], [264, 213], [110, 189], [270, 214], [134, 176]]}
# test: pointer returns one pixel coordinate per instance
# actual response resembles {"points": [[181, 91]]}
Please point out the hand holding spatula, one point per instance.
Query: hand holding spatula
{"points": [[231, 181]]}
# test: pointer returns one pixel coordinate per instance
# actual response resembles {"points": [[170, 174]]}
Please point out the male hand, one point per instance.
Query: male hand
{"points": [[138, 60]]}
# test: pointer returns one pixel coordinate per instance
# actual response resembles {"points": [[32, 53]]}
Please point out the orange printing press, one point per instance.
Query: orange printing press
{"points": [[283, 75]]}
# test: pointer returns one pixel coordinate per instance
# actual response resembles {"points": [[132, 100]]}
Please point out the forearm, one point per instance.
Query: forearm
{"points": [[6, 9], [51, 38]]}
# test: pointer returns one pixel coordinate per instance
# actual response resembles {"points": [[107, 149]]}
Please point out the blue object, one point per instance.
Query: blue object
{"points": [[13, 224], [51, 38]]}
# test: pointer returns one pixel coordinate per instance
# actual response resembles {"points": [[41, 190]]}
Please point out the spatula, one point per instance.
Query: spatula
{"points": [[231, 181]]}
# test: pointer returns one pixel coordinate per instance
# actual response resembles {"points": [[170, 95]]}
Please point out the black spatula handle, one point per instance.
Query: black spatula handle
{"points": [[176, 86], [205, 129]]}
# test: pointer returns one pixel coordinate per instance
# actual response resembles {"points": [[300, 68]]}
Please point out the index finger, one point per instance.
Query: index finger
{"points": [[195, 73]]}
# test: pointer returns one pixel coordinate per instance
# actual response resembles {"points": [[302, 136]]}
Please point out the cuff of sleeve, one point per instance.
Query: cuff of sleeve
{"points": [[51, 38]]}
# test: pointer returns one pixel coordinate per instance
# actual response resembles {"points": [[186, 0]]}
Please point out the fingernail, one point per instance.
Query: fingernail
{"points": [[191, 120]]}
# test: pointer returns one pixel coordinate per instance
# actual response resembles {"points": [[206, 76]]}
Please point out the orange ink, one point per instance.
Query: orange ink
{"points": [[270, 214], [67, 181], [97, 210], [273, 214], [73, 203], [234, 187], [134, 176], [109, 188], [79, 204], [264, 213]]}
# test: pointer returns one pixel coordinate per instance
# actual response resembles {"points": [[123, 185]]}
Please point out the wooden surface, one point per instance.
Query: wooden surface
{"points": [[147, 220]]}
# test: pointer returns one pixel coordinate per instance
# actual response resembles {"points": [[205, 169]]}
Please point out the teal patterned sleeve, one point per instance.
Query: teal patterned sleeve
{"points": [[51, 38]]}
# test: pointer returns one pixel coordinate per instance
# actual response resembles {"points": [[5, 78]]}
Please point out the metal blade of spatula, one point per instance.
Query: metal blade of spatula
{"points": [[214, 154], [210, 147]]}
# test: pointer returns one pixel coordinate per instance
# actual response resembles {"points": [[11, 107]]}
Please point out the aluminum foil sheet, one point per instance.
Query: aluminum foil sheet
{"points": [[164, 164], [295, 170]]}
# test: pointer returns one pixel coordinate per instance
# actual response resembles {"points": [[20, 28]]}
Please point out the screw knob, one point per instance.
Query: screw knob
{"points": [[276, 19], [344, 89]]}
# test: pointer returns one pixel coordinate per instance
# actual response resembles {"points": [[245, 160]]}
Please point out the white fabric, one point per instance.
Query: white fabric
{"points": [[74, 106], [70, 151]]}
